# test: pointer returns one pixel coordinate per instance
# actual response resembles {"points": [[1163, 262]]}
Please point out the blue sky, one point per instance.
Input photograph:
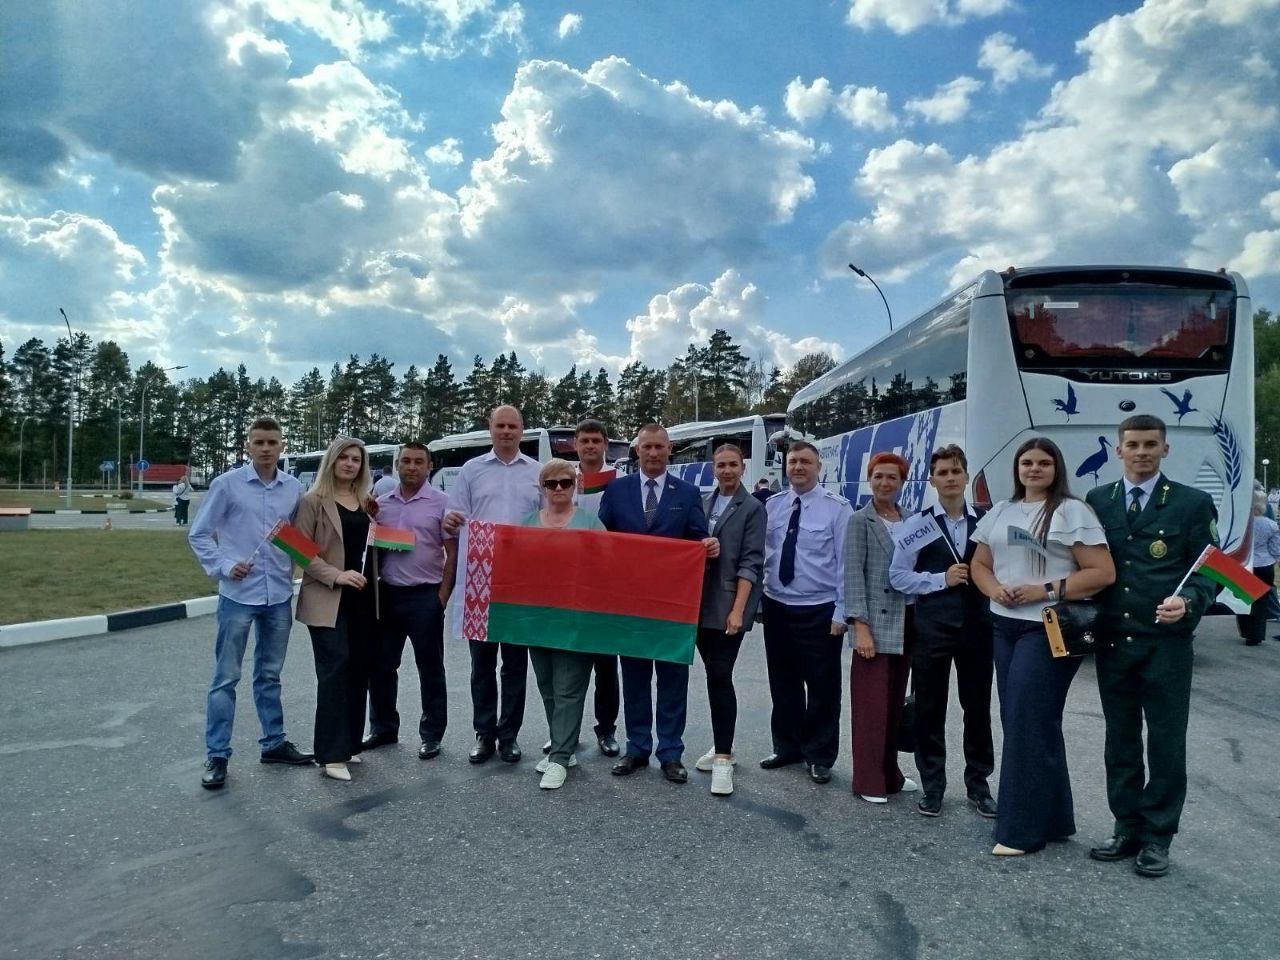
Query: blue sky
{"points": [[285, 182]]}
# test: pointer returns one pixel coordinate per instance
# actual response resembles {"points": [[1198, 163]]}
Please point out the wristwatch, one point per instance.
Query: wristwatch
{"points": [[1050, 594]]}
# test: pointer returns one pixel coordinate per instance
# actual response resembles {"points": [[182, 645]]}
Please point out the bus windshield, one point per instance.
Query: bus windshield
{"points": [[1121, 326]]}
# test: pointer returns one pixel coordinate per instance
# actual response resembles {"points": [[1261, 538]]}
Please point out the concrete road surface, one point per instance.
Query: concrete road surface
{"points": [[112, 850]]}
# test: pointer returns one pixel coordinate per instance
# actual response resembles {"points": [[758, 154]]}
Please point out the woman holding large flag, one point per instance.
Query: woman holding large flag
{"points": [[880, 618], [337, 602], [1040, 546], [562, 675]]}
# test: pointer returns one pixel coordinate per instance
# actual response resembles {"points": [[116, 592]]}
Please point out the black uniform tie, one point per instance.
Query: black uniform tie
{"points": [[787, 564]]}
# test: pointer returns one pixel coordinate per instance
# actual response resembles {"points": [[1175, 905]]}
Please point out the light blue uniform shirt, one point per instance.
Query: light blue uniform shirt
{"points": [[237, 513], [824, 518]]}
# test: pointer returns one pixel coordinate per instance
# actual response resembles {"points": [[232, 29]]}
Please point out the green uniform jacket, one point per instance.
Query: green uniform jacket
{"points": [[1167, 537]]}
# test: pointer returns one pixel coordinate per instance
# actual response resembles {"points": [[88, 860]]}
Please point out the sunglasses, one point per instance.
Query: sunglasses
{"points": [[564, 483]]}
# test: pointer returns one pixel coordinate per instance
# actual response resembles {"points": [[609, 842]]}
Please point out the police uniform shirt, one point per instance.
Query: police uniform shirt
{"points": [[819, 573]]}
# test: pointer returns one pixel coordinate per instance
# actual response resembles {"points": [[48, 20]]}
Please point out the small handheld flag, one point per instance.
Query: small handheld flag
{"points": [[1223, 570], [293, 542], [916, 533], [1023, 538], [596, 482], [390, 538]]}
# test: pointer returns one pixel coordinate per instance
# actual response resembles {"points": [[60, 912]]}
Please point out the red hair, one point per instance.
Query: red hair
{"points": [[888, 458]]}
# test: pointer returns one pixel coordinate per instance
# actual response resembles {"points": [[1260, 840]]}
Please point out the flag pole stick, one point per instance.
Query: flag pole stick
{"points": [[1194, 567], [270, 533]]}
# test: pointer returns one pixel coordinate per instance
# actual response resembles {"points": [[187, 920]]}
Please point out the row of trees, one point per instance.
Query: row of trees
{"points": [[201, 420]]}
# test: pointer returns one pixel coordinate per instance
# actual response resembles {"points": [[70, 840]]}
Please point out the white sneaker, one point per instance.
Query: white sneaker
{"points": [[873, 799], [722, 777], [545, 763], [338, 771], [707, 759], [554, 777], [909, 786]]}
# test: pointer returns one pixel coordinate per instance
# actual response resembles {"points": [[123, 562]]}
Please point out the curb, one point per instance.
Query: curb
{"points": [[69, 513], [45, 631]]}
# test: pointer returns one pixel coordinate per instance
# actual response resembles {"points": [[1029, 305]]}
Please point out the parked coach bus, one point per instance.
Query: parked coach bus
{"points": [[762, 440], [1066, 352], [304, 466], [448, 454]]}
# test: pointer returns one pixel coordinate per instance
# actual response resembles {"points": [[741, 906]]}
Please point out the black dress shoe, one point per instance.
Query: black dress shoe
{"points": [[1118, 847], [1152, 861], [286, 752], [215, 773], [608, 745], [546, 747], [482, 751], [775, 760], [376, 740], [983, 803], [509, 751], [674, 771], [629, 765], [930, 805], [429, 749], [818, 773]]}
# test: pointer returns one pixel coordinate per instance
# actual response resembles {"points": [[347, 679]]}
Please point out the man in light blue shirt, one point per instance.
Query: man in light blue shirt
{"points": [[255, 586]]}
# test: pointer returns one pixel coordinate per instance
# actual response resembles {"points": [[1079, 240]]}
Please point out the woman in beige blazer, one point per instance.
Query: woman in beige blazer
{"points": [[337, 603]]}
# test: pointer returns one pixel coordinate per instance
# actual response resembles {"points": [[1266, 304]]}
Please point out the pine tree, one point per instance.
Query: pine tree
{"points": [[442, 401]]}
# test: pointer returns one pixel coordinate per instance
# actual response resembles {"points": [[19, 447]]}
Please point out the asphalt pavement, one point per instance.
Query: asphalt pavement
{"points": [[114, 850]]}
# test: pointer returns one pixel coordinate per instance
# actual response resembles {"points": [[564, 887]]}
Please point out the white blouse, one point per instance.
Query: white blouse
{"points": [[1072, 523]]}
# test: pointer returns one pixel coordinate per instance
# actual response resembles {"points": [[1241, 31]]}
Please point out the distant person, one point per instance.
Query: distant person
{"points": [[654, 503], [1266, 551], [1060, 554], [415, 589], [181, 499], [1156, 529], [804, 616], [384, 483], [337, 603], [255, 588], [500, 486], [762, 492]]}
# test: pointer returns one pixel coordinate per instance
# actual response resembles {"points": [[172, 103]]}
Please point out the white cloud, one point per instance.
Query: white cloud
{"points": [[1116, 168], [455, 26], [905, 16], [347, 25], [1007, 63], [804, 104], [570, 24], [866, 107], [949, 103], [445, 153]]}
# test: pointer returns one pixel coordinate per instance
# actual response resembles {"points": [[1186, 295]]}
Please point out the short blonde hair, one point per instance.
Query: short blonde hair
{"points": [[554, 467]]}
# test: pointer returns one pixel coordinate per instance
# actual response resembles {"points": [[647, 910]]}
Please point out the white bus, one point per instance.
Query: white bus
{"points": [[448, 454], [1065, 352], [762, 439], [304, 466]]}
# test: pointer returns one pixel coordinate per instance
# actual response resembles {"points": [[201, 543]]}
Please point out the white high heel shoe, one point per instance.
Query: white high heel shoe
{"points": [[338, 771]]}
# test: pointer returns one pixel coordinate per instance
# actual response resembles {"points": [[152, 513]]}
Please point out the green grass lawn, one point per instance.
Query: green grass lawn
{"points": [[46, 500], [47, 574]]}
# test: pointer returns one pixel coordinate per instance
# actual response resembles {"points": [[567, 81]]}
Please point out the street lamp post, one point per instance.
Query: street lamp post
{"points": [[1265, 463], [867, 276], [142, 422], [119, 448], [21, 427], [71, 405]]}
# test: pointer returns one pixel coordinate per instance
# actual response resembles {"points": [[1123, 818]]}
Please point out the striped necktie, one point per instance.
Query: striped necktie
{"points": [[650, 502], [1135, 506]]}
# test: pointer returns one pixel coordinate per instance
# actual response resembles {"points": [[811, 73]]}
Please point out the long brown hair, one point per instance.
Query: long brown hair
{"points": [[326, 484], [1058, 490]]}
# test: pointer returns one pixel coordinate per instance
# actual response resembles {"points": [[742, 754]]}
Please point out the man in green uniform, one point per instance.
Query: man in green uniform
{"points": [[1156, 530]]}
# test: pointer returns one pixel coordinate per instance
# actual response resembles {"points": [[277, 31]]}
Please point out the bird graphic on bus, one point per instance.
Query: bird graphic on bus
{"points": [[1180, 407], [1095, 461], [1067, 406]]}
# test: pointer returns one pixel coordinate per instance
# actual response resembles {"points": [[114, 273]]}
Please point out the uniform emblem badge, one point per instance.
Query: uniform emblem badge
{"points": [[1158, 549]]}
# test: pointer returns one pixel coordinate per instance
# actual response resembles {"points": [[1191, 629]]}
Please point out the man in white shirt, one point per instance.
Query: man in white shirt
{"points": [[501, 486]]}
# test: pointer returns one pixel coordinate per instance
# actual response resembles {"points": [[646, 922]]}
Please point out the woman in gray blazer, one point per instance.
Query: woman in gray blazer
{"points": [[730, 593], [881, 629]]}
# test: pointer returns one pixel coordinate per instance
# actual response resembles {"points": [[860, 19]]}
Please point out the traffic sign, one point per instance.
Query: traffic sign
{"points": [[143, 466], [107, 466]]}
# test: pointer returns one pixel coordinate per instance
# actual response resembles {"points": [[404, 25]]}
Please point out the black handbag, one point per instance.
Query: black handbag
{"points": [[1072, 628]]}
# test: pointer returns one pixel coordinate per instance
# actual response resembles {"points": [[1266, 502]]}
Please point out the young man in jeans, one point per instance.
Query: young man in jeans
{"points": [[255, 587]]}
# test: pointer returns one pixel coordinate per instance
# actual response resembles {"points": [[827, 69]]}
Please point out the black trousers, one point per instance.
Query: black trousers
{"points": [[412, 612], [719, 651], [486, 719], [608, 697], [936, 649], [181, 509], [342, 654], [1253, 625], [805, 680]]}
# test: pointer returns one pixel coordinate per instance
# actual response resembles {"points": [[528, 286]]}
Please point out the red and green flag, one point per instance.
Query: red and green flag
{"points": [[583, 590], [293, 542], [390, 538], [596, 482], [1229, 573]]}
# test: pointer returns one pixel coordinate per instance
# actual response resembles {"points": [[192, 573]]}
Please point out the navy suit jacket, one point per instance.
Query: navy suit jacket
{"points": [[680, 514]]}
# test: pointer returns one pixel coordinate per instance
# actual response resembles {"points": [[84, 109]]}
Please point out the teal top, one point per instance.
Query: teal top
{"points": [[581, 520]]}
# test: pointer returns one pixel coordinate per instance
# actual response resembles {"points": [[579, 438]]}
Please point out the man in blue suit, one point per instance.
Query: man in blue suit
{"points": [[656, 504]]}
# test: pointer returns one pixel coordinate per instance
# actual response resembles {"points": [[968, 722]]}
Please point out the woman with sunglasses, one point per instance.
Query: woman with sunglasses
{"points": [[562, 675], [337, 602]]}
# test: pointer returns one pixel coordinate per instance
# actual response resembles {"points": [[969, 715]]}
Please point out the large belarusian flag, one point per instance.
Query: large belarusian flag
{"points": [[582, 590]]}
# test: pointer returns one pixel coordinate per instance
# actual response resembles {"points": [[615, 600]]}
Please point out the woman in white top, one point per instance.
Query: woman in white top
{"points": [[1063, 555], [1266, 551]]}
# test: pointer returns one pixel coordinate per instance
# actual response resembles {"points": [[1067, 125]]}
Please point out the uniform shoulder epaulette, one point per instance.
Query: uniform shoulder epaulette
{"points": [[835, 496]]}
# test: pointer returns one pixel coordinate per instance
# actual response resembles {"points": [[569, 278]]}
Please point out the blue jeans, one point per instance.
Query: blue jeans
{"points": [[274, 622]]}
